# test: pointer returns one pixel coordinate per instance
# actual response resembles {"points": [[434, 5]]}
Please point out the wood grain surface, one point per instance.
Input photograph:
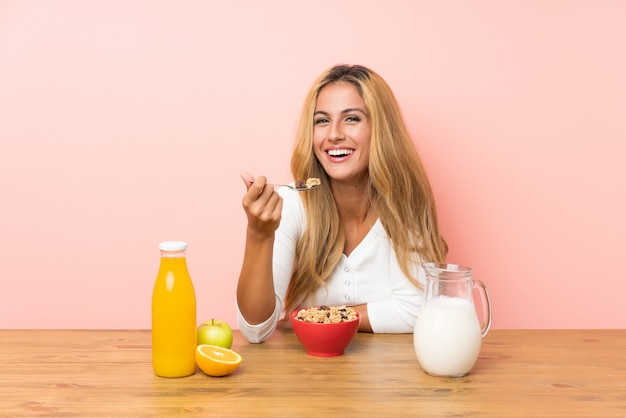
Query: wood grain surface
{"points": [[108, 373]]}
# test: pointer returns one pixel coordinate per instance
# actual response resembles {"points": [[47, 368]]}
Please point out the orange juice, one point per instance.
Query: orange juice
{"points": [[173, 314]]}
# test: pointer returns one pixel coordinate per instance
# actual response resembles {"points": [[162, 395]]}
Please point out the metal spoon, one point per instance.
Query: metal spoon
{"points": [[303, 185], [299, 186]]}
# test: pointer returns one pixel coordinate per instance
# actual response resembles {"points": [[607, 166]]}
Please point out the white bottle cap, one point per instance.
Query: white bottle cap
{"points": [[173, 246]]}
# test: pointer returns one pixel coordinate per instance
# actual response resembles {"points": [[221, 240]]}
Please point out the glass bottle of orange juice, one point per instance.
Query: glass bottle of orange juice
{"points": [[173, 314]]}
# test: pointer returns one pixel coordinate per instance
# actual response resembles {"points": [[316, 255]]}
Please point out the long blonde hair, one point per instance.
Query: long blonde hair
{"points": [[398, 186]]}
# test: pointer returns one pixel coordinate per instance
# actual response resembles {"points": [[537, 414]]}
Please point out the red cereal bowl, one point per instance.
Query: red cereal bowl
{"points": [[324, 340]]}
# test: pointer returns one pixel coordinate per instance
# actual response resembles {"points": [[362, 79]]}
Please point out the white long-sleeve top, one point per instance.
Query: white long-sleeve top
{"points": [[369, 275]]}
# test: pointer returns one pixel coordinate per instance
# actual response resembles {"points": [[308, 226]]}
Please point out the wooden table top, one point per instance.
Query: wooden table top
{"points": [[520, 373]]}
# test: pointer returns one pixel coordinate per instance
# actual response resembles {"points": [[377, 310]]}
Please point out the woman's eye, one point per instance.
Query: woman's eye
{"points": [[353, 119], [321, 121]]}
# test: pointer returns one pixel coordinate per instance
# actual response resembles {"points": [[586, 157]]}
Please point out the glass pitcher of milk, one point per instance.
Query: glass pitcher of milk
{"points": [[448, 333]]}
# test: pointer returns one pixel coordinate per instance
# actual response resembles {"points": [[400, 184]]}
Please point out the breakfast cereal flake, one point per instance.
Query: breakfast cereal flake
{"points": [[327, 315], [312, 182]]}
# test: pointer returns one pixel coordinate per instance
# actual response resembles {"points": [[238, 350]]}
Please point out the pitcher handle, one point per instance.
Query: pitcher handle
{"points": [[485, 305]]}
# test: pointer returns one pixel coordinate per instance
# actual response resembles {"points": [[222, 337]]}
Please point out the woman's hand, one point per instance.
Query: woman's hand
{"points": [[262, 205]]}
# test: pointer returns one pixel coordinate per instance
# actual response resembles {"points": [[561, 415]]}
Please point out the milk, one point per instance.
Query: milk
{"points": [[447, 336]]}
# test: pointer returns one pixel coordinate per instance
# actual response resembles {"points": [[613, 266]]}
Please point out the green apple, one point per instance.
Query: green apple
{"points": [[215, 332]]}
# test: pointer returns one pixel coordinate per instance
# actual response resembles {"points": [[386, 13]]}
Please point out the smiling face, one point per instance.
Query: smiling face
{"points": [[342, 133]]}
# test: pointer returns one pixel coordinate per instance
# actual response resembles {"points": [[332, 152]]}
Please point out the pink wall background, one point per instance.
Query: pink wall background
{"points": [[125, 123]]}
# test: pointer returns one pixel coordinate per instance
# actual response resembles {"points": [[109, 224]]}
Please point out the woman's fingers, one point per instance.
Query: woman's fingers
{"points": [[247, 178], [261, 203]]}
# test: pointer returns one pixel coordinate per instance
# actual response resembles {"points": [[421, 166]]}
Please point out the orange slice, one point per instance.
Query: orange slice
{"points": [[216, 361]]}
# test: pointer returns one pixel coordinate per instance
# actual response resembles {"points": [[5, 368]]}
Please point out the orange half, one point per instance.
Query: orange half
{"points": [[216, 361]]}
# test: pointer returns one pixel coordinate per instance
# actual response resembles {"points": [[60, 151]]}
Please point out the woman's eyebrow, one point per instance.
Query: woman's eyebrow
{"points": [[349, 110]]}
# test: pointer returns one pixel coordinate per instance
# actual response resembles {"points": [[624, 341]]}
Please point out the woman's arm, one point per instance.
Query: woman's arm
{"points": [[364, 325], [281, 260], [397, 314], [255, 290]]}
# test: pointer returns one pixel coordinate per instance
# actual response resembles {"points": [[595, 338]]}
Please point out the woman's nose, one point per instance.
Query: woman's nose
{"points": [[336, 131]]}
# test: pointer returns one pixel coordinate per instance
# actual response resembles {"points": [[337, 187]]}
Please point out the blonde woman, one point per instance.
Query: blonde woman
{"points": [[360, 237]]}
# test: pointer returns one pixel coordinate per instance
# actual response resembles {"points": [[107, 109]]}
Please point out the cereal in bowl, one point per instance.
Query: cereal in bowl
{"points": [[327, 315]]}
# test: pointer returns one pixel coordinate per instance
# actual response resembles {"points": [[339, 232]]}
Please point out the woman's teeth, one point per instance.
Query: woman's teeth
{"points": [[339, 152]]}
